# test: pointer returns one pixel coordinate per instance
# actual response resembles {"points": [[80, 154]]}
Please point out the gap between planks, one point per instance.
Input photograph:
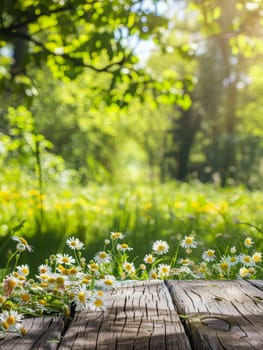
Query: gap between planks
{"points": [[143, 316]]}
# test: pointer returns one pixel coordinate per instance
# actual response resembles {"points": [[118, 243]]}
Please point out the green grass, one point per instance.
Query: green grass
{"points": [[218, 218]]}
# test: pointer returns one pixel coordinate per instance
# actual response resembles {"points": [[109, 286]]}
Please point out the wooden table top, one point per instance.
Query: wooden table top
{"points": [[153, 315]]}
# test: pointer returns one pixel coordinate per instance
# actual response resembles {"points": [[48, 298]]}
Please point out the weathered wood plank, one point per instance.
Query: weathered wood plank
{"points": [[220, 314], [257, 283], [43, 333], [138, 316]]}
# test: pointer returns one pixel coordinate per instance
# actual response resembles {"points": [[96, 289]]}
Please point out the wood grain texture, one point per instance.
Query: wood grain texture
{"points": [[43, 333], [220, 314], [257, 283], [138, 316]]}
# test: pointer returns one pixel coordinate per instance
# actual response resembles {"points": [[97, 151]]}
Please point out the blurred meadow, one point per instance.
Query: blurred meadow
{"points": [[141, 117]]}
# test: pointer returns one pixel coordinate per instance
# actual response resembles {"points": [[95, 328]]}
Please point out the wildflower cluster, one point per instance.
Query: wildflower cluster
{"points": [[67, 279], [62, 281]]}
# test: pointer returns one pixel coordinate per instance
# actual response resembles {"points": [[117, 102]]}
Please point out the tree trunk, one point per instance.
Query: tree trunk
{"points": [[229, 151]]}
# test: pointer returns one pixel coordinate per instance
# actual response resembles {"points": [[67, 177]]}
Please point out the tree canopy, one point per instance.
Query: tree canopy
{"points": [[70, 36], [193, 109]]}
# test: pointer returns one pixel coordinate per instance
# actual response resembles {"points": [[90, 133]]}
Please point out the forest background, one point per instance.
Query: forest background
{"points": [[130, 115]]}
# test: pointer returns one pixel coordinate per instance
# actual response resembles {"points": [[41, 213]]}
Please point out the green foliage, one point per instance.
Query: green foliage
{"points": [[25, 152], [72, 36]]}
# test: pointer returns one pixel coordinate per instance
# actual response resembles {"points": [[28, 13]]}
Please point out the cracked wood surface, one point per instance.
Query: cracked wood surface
{"points": [[183, 315], [220, 314], [43, 333], [138, 316]]}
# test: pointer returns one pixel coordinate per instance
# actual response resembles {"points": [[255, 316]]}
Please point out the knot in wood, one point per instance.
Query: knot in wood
{"points": [[216, 323]]}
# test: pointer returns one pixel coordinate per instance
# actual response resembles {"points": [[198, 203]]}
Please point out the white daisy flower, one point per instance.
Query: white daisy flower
{"points": [[160, 247], [246, 260], [65, 259], [22, 243], [188, 242], [44, 268], [116, 235], [209, 255], [248, 242], [97, 303], [81, 299], [102, 258], [10, 282], [164, 270], [107, 282], [10, 320], [149, 259], [23, 270], [234, 260], [257, 257], [224, 265], [93, 266], [184, 261], [75, 243], [123, 247], [153, 275], [244, 272], [128, 267]]}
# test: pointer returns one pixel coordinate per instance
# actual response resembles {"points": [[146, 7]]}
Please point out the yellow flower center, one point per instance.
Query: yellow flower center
{"points": [[154, 275], [244, 272], [11, 284], [81, 297], [51, 280], [11, 320], [257, 257], [93, 266], [85, 281], [25, 271], [224, 265], [128, 267], [44, 277], [103, 255], [23, 241], [108, 282], [164, 269], [43, 285], [60, 280], [98, 303], [5, 325], [247, 258], [43, 270], [161, 248], [189, 240], [25, 297]]}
